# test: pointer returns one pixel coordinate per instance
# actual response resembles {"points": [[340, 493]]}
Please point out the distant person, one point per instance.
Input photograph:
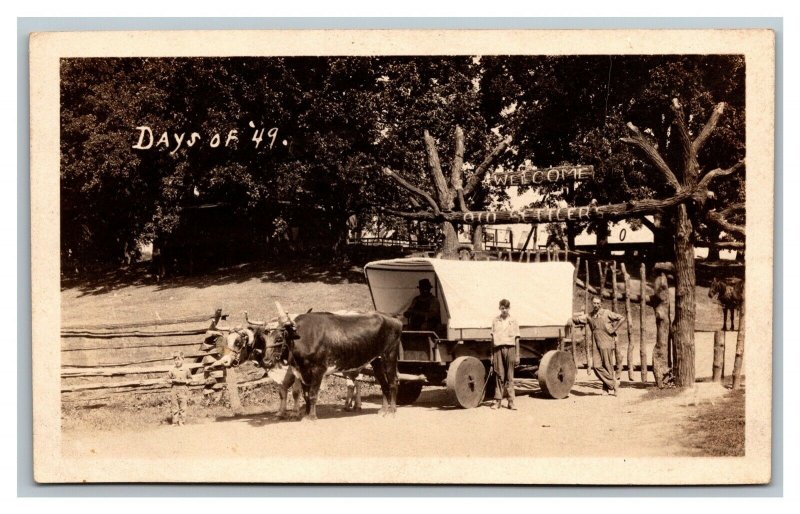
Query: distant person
{"points": [[505, 354], [179, 377], [424, 314], [604, 324]]}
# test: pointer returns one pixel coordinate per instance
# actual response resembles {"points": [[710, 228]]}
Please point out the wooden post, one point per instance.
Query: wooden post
{"points": [[601, 290], [232, 385], [538, 257], [719, 356], [588, 335], [629, 320], [642, 302], [737, 362], [617, 351], [527, 256], [661, 308], [572, 332], [614, 286]]}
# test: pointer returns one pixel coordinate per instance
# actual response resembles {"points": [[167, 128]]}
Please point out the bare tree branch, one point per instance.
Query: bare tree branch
{"points": [[412, 188], [708, 128], [462, 204], [456, 179], [419, 215], [719, 218], [439, 182], [638, 139], [716, 173], [690, 166], [483, 168]]}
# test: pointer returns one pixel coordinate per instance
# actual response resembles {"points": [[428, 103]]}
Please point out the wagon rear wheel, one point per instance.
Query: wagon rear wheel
{"points": [[556, 374], [408, 392], [466, 377]]}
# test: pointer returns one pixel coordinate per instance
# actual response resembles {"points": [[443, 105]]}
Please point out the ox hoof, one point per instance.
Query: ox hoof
{"points": [[357, 408], [347, 408]]}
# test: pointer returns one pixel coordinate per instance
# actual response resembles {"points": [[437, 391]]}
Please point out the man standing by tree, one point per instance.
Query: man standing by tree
{"points": [[604, 325]]}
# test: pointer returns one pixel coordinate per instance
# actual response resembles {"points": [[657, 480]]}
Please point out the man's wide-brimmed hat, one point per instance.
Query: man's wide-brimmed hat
{"points": [[424, 284]]}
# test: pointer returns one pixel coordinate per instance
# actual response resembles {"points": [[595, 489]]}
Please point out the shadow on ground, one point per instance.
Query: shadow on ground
{"points": [[139, 275]]}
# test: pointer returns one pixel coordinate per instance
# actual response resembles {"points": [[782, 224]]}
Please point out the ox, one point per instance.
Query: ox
{"points": [[318, 343], [730, 294]]}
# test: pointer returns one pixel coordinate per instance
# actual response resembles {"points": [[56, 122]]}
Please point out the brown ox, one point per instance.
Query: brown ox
{"points": [[317, 343]]}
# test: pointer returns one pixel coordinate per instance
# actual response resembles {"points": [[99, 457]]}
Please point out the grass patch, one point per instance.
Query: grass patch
{"points": [[718, 430]]}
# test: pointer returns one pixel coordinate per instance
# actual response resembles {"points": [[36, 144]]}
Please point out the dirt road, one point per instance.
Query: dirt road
{"points": [[586, 424]]}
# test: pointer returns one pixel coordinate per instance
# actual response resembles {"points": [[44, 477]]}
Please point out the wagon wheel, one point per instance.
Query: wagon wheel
{"points": [[408, 392], [466, 377], [556, 374]]}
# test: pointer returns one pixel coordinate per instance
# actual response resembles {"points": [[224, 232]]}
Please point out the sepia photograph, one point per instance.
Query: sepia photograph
{"points": [[434, 257]]}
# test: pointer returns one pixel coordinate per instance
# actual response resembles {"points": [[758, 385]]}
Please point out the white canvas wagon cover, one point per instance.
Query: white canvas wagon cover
{"points": [[469, 291]]}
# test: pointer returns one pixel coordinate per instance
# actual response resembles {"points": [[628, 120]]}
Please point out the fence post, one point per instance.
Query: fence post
{"points": [[617, 351], [589, 343], [737, 362], [642, 302], [719, 356], [572, 332], [628, 320], [232, 386]]}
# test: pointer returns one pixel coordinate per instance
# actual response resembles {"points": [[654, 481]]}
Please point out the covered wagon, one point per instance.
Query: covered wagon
{"points": [[456, 352]]}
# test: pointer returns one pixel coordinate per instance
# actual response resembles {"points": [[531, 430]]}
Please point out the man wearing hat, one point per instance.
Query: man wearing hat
{"points": [[423, 314]]}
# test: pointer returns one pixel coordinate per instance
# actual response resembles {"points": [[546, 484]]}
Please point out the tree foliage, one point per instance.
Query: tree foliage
{"points": [[340, 120]]}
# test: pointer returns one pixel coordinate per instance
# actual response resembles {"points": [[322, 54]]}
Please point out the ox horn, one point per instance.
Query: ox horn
{"points": [[257, 323], [283, 316]]}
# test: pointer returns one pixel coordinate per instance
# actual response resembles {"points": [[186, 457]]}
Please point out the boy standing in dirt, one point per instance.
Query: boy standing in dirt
{"points": [[179, 377], [505, 354]]}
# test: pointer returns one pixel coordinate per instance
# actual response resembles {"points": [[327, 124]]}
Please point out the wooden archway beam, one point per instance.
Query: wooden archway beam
{"points": [[588, 213]]}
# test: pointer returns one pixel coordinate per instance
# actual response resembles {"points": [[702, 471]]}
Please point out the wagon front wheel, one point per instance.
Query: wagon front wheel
{"points": [[466, 377], [557, 374]]}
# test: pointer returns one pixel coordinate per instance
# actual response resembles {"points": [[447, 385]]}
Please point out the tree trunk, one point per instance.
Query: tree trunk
{"points": [[660, 303], [684, 299], [449, 240], [713, 250]]}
